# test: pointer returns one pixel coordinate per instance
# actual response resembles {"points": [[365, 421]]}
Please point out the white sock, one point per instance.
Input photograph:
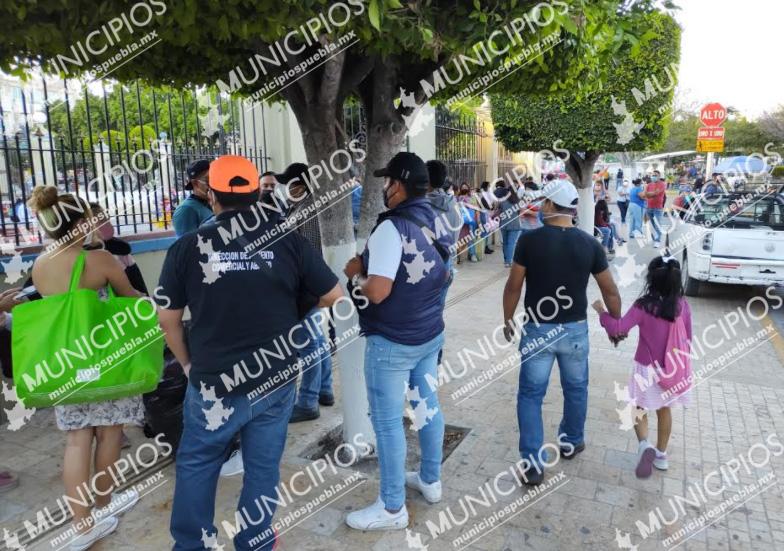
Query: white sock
{"points": [[660, 453], [643, 444]]}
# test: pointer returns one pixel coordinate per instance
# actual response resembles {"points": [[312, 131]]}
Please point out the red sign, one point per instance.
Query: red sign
{"points": [[713, 114], [711, 133]]}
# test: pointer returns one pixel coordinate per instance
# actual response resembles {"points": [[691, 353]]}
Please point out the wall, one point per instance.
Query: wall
{"points": [[278, 129]]}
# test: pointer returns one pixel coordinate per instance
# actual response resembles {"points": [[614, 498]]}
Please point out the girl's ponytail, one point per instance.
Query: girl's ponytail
{"points": [[663, 288]]}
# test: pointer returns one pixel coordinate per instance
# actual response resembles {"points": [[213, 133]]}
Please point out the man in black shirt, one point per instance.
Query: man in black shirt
{"points": [[555, 261], [242, 363]]}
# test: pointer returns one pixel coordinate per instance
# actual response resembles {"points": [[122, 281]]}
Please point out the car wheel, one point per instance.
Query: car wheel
{"points": [[691, 286]]}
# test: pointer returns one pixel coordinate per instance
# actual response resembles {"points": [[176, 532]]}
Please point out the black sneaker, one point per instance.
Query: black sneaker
{"points": [[326, 399], [299, 414], [567, 454], [531, 476], [489, 251]]}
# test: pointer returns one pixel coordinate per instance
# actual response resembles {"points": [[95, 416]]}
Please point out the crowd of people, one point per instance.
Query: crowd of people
{"points": [[282, 290], [642, 202]]}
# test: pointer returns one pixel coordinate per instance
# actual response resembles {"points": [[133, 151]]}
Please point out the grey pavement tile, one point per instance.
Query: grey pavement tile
{"points": [[734, 409]]}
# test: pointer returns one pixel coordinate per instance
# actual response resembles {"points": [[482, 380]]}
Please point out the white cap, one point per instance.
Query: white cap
{"points": [[562, 193]]}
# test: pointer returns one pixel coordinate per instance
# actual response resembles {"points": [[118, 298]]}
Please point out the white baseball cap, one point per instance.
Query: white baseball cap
{"points": [[562, 193]]}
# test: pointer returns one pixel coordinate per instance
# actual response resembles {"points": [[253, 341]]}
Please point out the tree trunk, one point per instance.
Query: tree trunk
{"points": [[579, 167], [386, 135], [319, 122]]}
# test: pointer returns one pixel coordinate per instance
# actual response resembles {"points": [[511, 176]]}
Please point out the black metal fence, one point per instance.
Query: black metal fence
{"points": [[355, 128], [509, 168], [460, 143], [125, 147]]}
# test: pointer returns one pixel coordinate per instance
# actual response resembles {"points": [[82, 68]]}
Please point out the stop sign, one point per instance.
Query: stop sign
{"points": [[713, 114]]}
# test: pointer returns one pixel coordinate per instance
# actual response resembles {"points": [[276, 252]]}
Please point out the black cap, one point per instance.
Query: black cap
{"points": [[408, 168], [436, 174], [295, 172], [194, 169]]}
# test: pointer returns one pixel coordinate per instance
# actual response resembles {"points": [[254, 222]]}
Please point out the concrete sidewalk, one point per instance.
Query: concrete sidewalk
{"points": [[593, 501]]}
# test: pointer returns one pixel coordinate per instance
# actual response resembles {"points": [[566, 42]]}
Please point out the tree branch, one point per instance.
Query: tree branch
{"points": [[359, 70], [331, 76]]}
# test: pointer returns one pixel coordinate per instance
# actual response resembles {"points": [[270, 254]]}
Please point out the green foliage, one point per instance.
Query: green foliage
{"points": [[202, 41], [642, 77], [778, 172], [683, 132], [172, 122], [140, 137]]}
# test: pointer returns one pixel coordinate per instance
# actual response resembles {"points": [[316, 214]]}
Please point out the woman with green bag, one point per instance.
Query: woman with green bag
{"points": [[68, 221]]}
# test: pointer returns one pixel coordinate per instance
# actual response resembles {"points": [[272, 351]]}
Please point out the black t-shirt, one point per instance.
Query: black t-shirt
{"points": [[558, 262], [239, 306]]}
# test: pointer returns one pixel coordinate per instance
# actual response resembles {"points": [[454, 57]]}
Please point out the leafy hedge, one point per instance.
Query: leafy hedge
{"points": [[579, 122]]}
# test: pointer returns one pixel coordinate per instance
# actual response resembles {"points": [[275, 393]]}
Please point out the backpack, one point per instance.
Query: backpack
{"points": [[676, 371]]}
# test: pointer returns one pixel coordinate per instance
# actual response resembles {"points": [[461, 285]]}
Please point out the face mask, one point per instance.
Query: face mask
{"points": [[542, 216], [386, 199], [106, 231], [654, 178], [280, 195], [266, 197]]}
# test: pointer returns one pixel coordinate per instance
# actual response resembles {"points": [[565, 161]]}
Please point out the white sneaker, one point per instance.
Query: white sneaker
{"points": [[661, 461], [376, 517], [233, 465], [103, 528], [121, 502], [656, 245], [431, 492]]}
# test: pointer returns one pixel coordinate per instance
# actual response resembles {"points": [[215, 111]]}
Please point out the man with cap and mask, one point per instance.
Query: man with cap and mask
{"points": [[194, 210], [235, 386], [402, 273], [296, 190], [555, 262]]}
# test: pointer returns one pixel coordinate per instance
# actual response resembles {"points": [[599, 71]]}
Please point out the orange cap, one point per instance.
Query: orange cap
{"points": [[233, 174]]}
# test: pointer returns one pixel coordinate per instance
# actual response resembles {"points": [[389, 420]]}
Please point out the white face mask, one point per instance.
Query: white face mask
{"points": [[281, 195]]}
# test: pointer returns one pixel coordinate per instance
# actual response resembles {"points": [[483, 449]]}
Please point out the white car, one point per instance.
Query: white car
{"points": [[735, 238]]}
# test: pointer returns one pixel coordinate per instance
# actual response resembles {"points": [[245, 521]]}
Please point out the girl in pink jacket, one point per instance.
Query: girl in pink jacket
{"points": [[662, 371]]}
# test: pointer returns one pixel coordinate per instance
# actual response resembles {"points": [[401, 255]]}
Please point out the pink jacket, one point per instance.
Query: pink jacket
{"points": [[652, 343]]}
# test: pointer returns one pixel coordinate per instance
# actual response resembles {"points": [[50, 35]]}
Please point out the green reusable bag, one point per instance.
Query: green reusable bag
{"points": [[74, 347]]}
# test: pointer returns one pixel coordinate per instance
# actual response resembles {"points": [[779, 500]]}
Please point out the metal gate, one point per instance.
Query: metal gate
{"points": [[124, 146], [460, 145]]}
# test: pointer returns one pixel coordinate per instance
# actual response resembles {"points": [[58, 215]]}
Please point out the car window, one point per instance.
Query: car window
{"points": [[777, 214], [734, 212]]}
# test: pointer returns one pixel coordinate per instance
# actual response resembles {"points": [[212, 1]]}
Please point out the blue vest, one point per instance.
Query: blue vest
{"points": [[412, 314]]}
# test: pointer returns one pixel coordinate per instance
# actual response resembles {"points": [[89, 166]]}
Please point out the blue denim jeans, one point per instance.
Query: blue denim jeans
{"points": [[390, 369], [262, 427], [510, 238], [539, 348], [655, 217], [635, 219], [623, 207], [472, 248], [607, 236], [317, 371]]}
